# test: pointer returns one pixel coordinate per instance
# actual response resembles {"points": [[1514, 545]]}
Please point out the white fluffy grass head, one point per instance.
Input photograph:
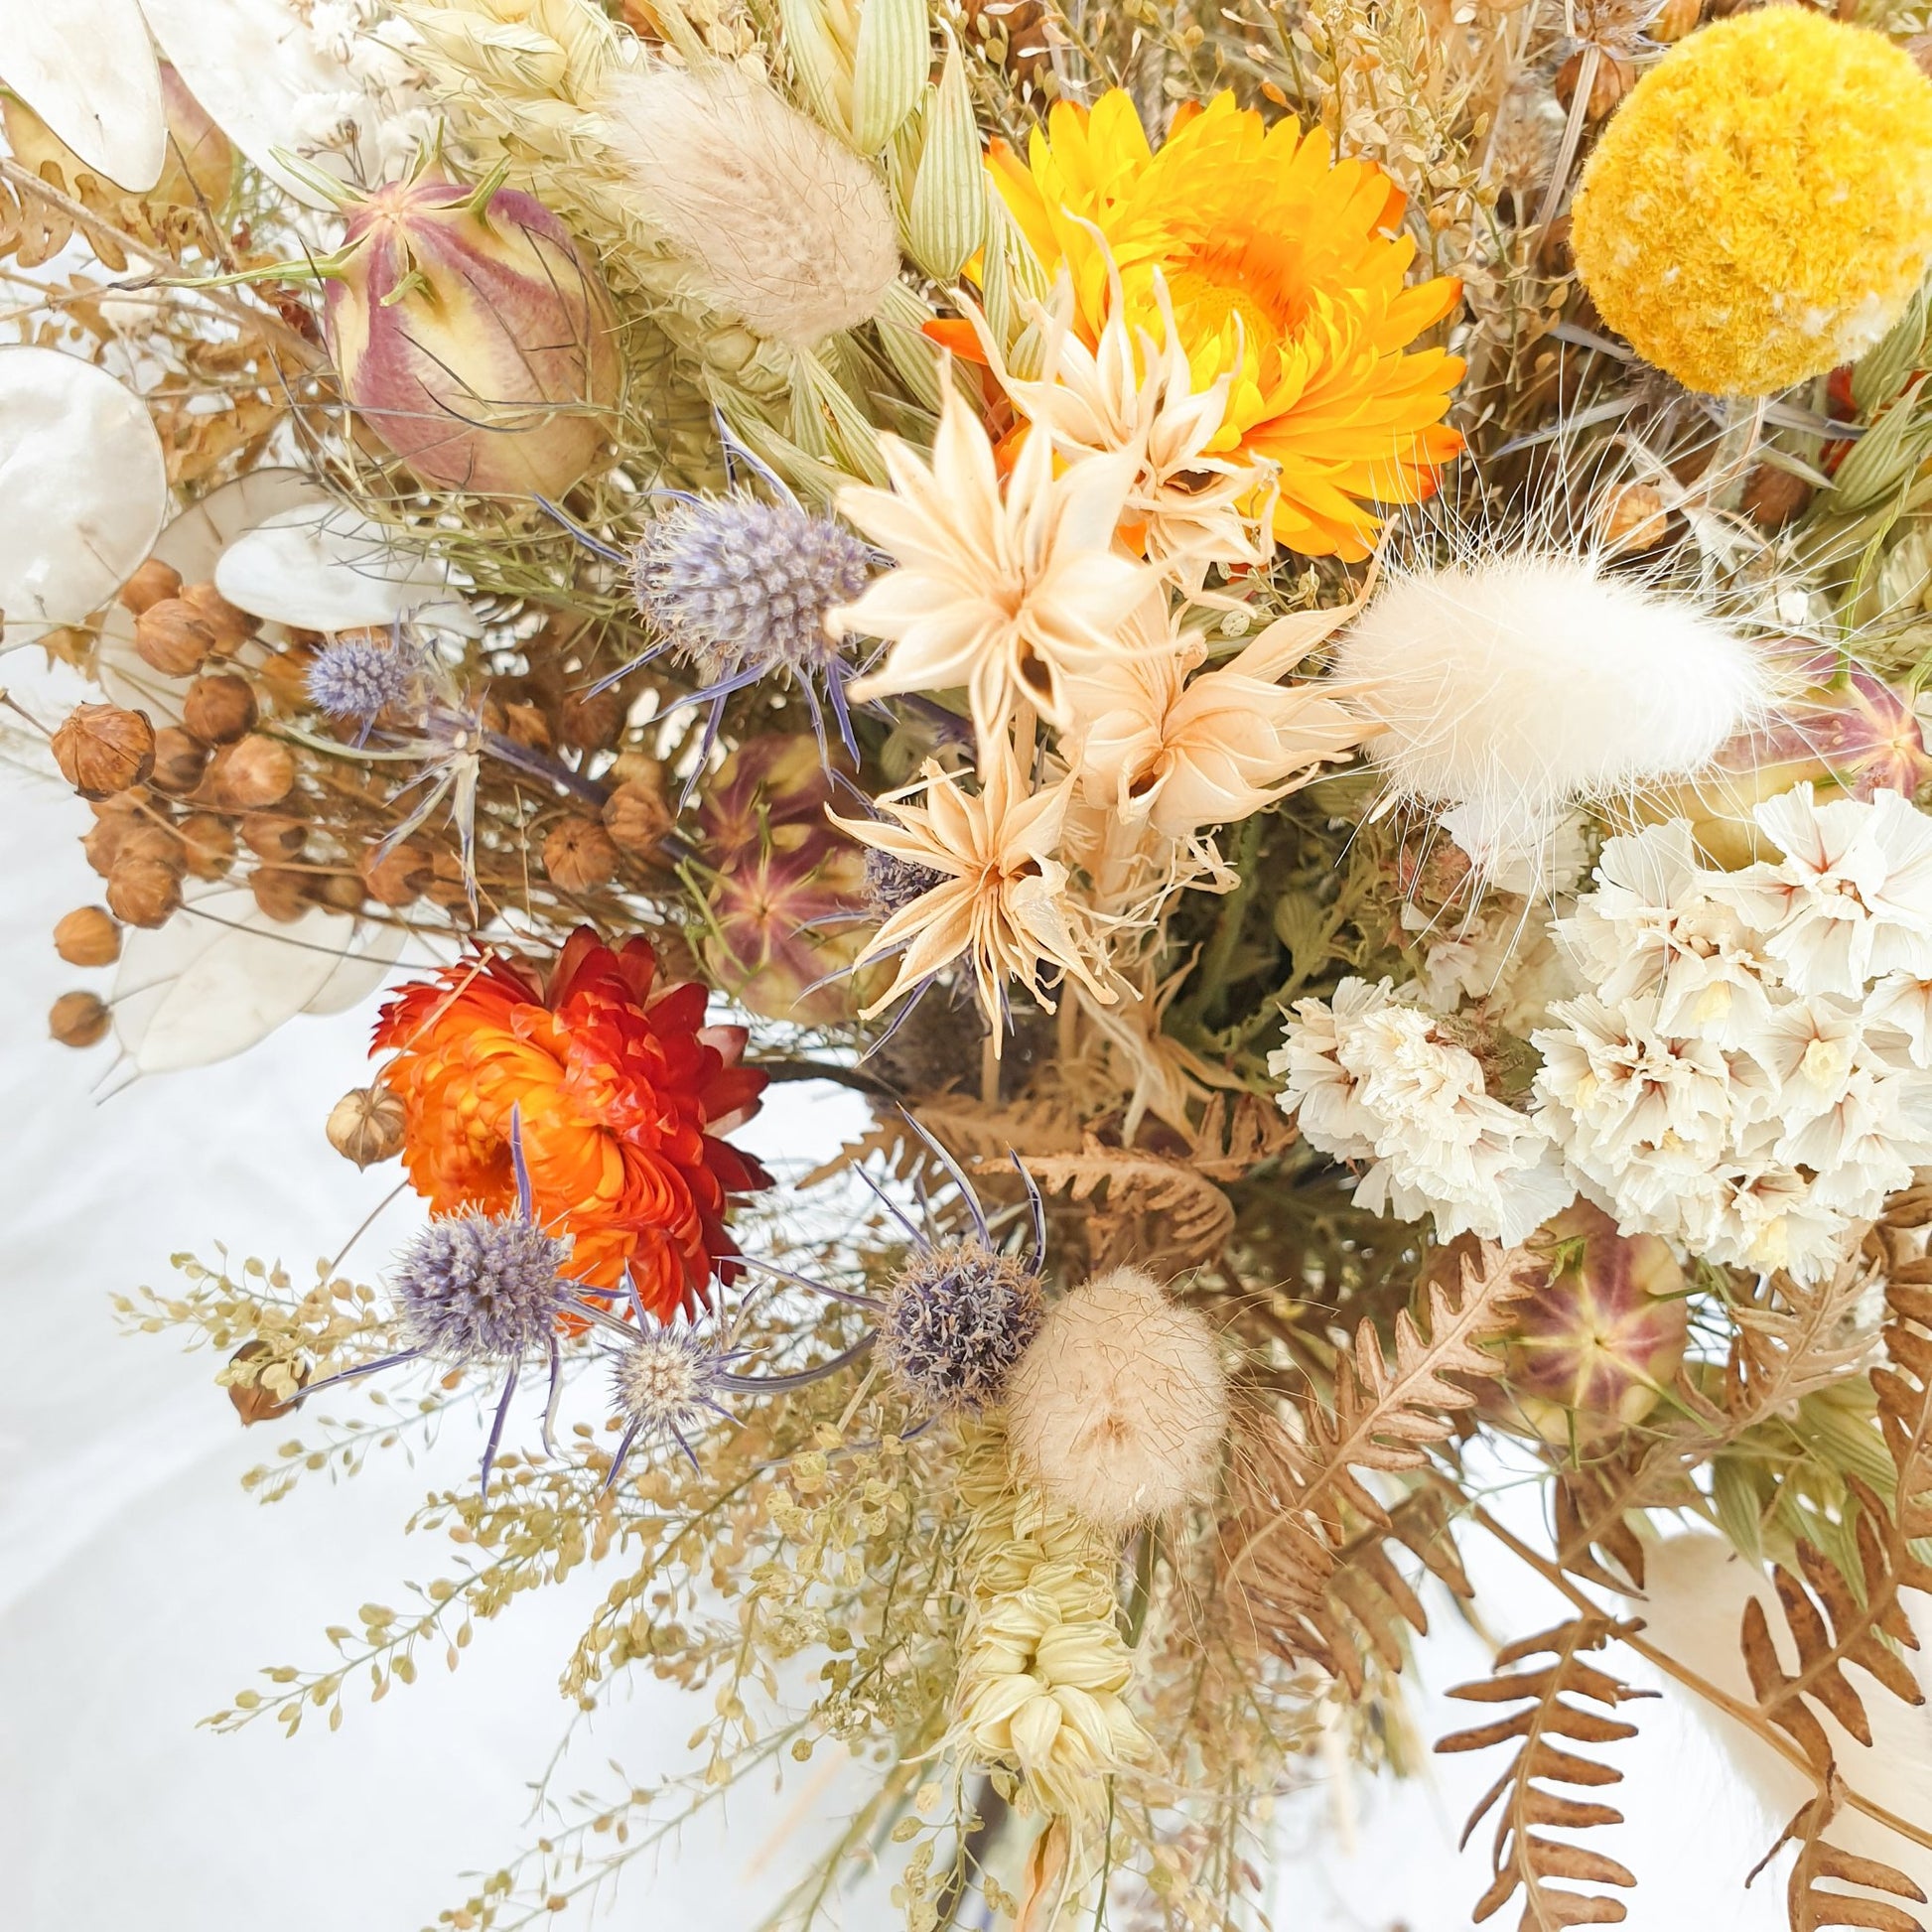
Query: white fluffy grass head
{"points": [[1515, 686], [786, 227], [1119, 1408]]}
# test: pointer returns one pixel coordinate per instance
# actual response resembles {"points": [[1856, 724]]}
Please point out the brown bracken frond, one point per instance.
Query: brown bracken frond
{"points": [[1819, 1863], [1523, 1858]]}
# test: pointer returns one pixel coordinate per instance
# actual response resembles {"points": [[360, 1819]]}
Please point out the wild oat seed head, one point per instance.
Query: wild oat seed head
{"points": [[956, 1321], [786, 227], [481, 1288], [358, 677], [892, 884], [664, 1380], [1119, 1408], [734, 584]]}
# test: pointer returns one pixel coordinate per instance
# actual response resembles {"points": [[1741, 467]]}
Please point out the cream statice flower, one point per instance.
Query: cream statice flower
{"points": [[1375, 1077], [1735, 1082], [1504, 955], [1001, 901], [1001, 595], [1852, 898], [1158, 741], [1187, 510]]}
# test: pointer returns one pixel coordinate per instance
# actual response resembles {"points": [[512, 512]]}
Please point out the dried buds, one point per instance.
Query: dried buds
{"points": [[172, 638], [78, 1020], [88, 936], [102, 749], [365, 1126], [252, 772], [220, 708], [149, 585], [254, 1400]]}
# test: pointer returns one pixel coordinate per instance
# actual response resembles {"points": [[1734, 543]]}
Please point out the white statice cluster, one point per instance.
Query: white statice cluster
{"points": [[382, 111], [1376, 1076], [1749, 1076]]}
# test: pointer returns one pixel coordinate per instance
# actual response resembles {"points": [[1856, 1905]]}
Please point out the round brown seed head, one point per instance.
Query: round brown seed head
{"points": [[400, 877], [171, 637], [179, 761], [578, 854], [220, 708], [149, 585], [143, 891], [252, 772], [253, 1402], [637, 818], [365, 1124], [281, 894], [207, 845], [102, 749], [88, 936], [272, 835], [229, 626], [77, 1019]]}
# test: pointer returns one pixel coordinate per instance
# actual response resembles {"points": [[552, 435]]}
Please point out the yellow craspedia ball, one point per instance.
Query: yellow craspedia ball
{"points": [[1760, 209]]}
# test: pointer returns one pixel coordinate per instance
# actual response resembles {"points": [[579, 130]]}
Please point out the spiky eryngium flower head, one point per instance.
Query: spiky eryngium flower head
{"points": [[1119, 1408], [360, 678], [481, 1288], [786, 227], [957, 1317], [666, 1379], [893, 883], [1513, 687], [734, 584]]}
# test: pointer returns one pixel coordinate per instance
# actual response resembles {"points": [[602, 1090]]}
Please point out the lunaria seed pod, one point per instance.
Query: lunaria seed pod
{"points": [[77, 1019], [102, 749], [365, 1126], [88, 936], [220, 708]]}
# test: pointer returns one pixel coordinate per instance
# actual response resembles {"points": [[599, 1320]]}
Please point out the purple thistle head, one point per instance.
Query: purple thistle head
{"points": [[481, 1288], [892, 884], [667, 1380], [956, 1321], [360, 678], [733, 585]]}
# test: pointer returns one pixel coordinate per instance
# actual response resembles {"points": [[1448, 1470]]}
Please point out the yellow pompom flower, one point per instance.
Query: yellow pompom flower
{"points": [[1760, 209], [1284, 270]]}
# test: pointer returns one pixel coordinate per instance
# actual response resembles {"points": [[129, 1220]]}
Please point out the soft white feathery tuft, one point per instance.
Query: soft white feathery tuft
{"points": [[1694, 1591], [1119, 1408], [1513, 688], [786, 227]]}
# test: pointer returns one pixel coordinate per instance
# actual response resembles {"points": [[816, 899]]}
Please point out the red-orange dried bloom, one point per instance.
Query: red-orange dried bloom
{"points": [[622, 1093]]}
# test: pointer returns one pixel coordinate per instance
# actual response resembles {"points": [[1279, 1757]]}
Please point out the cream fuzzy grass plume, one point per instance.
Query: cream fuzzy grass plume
{"points": [[787, 228], [1695, 1592], [1513, 688], [1119, 1408]]}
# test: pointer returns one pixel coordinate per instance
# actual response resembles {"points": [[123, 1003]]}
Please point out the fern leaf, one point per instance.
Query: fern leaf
{"points": [[1522, 1857], [1820, 1862], [1158, 1213]]}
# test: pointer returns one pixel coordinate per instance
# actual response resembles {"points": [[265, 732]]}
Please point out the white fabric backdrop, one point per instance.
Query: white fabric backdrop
{"points": [[139, 1588]]}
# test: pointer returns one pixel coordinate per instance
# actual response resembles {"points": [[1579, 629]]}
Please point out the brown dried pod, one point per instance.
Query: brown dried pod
{"points": [[273, 835], [1773, 497], [400, 877], [252, 1402], [342, 891], [1554, 254], [1616, 77], [103, 844], [252, 772], [592, 722], [282, 679], [637, 818], [143, 891], [77, 1019], [365, 1124], [179, 761], [1673, 20], [527, 725], [102, 749], [578, 853], [207, 845], [150, 842], [149, 585], [172, 637], [448, 888], [1631, 516], [220, 708], [230, 627], [281, 894], [88, 936]]}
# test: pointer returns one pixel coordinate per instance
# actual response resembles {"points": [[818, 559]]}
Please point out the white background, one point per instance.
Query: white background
{"points": [[140, 1588]]}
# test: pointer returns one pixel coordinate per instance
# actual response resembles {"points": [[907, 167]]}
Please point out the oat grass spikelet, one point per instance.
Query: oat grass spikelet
{"points": [[784, 226], [1119, 1409], [1286, 276], [1760, 208]]}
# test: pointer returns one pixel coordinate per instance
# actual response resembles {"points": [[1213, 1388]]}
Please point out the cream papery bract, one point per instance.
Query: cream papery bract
{"points": [[1001, 595], [1178, 753], [1187, 510], [1002, 903]]}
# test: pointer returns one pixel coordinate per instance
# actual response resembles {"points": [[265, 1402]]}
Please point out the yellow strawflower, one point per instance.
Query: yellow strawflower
{"points": [[1759, 209], [1284, 274]]}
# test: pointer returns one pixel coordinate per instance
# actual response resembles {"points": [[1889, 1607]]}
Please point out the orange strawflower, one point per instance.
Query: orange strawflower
{"points": [[622, 1092], [1283, 268]]}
